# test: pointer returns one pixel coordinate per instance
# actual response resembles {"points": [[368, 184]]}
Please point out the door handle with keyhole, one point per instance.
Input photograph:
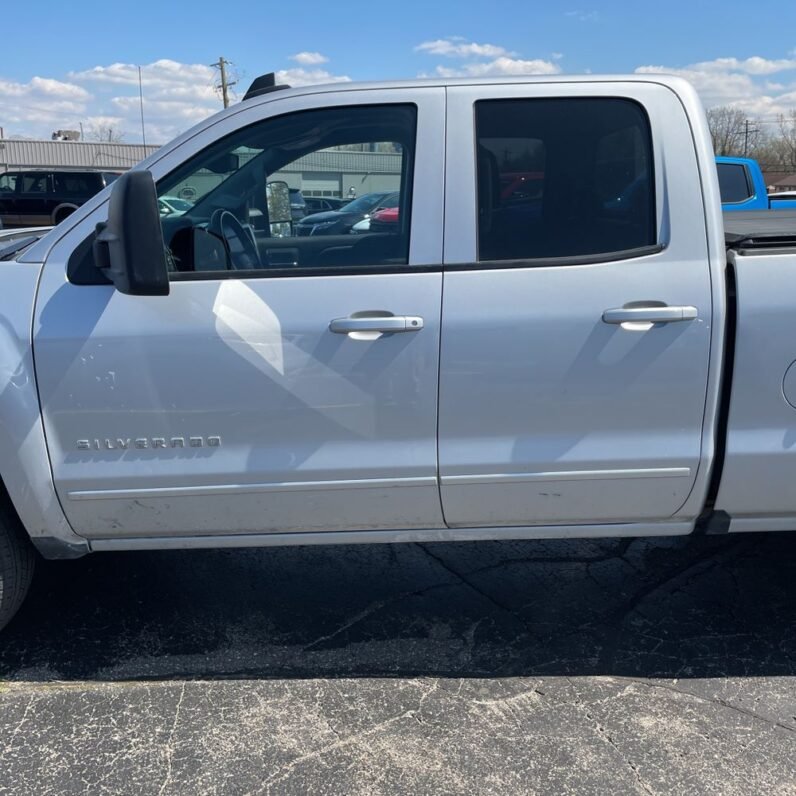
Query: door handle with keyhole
{"points": [[376, 323], [659, 314]]}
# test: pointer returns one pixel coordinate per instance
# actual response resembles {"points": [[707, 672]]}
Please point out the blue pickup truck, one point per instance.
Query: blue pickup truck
{"points": [[743, 188]]}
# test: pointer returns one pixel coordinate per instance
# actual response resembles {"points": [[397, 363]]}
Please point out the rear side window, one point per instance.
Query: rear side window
{"points": [[733, 183], [563, 178], [77, 184]]}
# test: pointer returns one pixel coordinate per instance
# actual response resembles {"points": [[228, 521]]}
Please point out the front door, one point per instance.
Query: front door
{"points": [[577, 321], [34, 201], [265, 393]]}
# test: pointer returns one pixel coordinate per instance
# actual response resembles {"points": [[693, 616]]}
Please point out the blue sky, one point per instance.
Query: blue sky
{"points": [[72, 63]]}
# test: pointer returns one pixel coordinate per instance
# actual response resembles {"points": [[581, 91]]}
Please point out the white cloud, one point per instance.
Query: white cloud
{"points": [[309, 58], [582, 16], [751, 66], [158, 74], [40, 106], [308, 77], [501, 66], [44, 88], [741, 83], [455, 47], [473, 64], [176, 96], [175, 111]]}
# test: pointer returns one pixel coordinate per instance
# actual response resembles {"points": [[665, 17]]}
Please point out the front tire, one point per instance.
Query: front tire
{"points": [[17, 560]]}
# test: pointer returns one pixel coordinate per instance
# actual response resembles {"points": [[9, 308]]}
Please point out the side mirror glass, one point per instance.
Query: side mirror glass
{"points": [[129, 248], [277, 196]]}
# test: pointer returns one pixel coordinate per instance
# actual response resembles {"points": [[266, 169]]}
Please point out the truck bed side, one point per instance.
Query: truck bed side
{"points": [[758, 481]]}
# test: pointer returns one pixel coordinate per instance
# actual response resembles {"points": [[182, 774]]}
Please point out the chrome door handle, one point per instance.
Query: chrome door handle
{"points": [[376, 323], [650, 314]]}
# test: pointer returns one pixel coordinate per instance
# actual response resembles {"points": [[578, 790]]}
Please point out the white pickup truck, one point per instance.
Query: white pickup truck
{"points": [[554, 336]]}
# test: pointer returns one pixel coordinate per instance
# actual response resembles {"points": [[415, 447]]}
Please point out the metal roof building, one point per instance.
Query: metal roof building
{"points": [[329, 172], [21, 154]]}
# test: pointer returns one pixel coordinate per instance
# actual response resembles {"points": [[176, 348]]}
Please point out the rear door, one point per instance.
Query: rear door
{"points": [[577, 309], [285, 396]]}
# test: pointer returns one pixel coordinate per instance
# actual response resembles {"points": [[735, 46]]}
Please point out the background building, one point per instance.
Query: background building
{"points": [[99, 156], [332, 172]]}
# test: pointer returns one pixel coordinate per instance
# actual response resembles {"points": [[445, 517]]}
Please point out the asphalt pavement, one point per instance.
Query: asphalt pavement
{"points": [[636, 666]]}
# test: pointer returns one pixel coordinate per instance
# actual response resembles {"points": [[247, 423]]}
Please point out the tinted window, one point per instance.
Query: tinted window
{"points": [[76, 184], [232, 225], [733, 183], [34, 182], [563, 178], [8, 182]]}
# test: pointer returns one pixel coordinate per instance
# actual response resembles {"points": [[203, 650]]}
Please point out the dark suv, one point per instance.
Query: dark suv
{"points": [[38, 198]]}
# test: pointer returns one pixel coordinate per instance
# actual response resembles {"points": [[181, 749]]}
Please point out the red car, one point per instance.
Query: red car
{"points": [[521, 186], [384, 220]]}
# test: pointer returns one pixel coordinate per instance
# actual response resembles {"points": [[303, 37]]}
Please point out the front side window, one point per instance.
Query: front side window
{"points": [[563, 178], [237, 206], [733, 183], [8, 182]]}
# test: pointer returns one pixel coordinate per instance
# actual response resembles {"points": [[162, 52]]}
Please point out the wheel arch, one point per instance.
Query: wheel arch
{"points": [[25, 471], [70, 206]]}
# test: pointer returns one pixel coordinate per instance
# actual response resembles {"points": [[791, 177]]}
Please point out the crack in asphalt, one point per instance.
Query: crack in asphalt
{"points": [[284, 771], [170, 743], [616, 619], [603, 735], [467, 582], [623, 546], [356, 619], [709, 700]]}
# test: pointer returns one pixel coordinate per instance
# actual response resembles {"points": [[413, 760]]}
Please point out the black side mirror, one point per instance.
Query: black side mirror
{"points": [[129, 248]]}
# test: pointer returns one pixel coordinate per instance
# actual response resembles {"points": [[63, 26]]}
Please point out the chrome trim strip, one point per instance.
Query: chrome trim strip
{"points": [[565, 475], [615, 530], [763, 524], [242, 489]]}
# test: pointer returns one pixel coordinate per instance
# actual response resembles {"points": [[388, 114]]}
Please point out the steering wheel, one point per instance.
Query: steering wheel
{"points": [[241, 249]]}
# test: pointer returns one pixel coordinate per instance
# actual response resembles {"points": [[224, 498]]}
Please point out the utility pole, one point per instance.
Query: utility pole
{"points": [[141, 103], [746, 131], [222, 65]]}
